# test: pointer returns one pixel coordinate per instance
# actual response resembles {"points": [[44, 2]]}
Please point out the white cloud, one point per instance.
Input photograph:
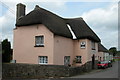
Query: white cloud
{"points": [[104, 21], [6, 28]]}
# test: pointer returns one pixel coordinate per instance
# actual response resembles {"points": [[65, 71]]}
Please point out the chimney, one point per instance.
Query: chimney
{"points": [[20, 11]]}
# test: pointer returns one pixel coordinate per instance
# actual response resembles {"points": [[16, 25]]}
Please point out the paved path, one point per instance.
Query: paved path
{"points": [[104, 73]]}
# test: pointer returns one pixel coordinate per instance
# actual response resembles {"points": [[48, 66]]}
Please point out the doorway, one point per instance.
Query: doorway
{"points": [[93, 61]]}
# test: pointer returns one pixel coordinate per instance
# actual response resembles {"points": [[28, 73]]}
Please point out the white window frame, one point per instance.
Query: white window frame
{"points": [[43, 59]]}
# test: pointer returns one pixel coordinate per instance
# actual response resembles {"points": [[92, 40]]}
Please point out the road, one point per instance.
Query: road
{"points": [[102, 73]]}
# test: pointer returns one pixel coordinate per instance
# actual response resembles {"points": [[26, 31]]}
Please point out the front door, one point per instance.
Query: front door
{"points": [[93, 61], [66, 60]]}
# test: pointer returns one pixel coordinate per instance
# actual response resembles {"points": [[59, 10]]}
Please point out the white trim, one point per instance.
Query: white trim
{"points": [[73, 34], [39, 58]]}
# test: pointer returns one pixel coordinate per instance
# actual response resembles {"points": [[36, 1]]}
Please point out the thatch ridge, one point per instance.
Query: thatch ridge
{"points": [[101, 48]]}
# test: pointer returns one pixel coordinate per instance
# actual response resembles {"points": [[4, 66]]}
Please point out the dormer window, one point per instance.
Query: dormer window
{"points": [[39, 41]]}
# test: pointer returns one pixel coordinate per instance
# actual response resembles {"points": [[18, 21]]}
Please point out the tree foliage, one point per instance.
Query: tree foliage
{"points": [[118, 53], [113, 50], [6, 51]]}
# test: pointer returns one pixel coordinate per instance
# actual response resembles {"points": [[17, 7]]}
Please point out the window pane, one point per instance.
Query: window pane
{"points": [[43, 59], [39, 40], [66, 60], [82, 44], [78, 59]]}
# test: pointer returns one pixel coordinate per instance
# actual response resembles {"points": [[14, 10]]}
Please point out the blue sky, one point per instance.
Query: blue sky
{"points": [[78, 8], [102, 17], [72, 9], [3, 9]]}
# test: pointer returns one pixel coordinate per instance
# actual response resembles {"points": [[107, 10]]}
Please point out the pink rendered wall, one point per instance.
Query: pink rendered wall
{"points": [[100, 54], [56, 47], [24, 42], [68, 47], [62, 47], [86, 52], [78, 51], [91, 52]]}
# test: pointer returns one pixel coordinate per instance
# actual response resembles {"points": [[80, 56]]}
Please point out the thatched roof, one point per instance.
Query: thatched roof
{"points": [[101, 48], [57, 24], [41, 16], [81, 29]]}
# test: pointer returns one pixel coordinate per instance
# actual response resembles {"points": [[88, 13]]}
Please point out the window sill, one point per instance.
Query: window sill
{"points": [[43, 63], [93, 49], [82, 47], [78, 62], [39, 46]]}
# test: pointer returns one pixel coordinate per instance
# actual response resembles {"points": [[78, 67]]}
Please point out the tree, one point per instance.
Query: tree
{"points": [[6, 51], [118, 53], [113, 50]]}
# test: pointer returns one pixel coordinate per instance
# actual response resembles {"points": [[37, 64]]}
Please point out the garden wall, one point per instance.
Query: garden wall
{"points": [[15, 70]]}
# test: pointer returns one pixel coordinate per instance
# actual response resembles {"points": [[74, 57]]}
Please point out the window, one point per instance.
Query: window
{"points": [[66, 60], [93, 45], [39, 41], [43, 59], [82, 44], [78, 59]]}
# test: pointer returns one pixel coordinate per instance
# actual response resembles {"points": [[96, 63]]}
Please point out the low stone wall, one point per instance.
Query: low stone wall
{"points": [[15, 70], [34, 71], [84, 68]]}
